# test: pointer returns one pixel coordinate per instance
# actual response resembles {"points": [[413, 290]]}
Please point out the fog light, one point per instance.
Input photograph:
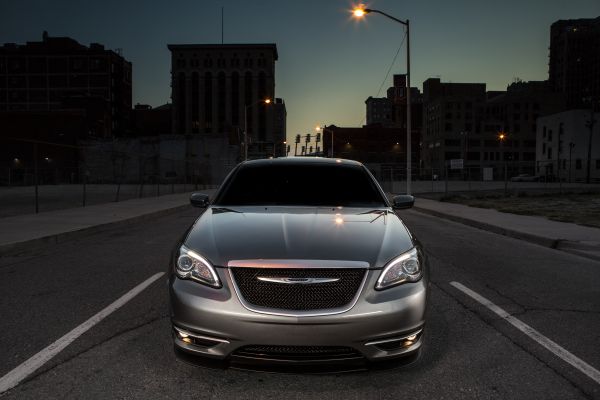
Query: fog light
{"points": [[195, 339], [183, 335], [397, 343]]}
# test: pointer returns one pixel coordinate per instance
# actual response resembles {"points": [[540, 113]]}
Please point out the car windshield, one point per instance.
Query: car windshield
{"points": [[301, 185]]}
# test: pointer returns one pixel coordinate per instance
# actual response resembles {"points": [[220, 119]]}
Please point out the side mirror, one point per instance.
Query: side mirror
{"points": [[403, 202], [199, 200]]}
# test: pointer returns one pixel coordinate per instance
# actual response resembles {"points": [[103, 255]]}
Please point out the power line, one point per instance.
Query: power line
{"points": [[387, 74]]}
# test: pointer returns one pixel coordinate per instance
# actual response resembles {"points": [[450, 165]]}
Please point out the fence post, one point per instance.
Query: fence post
{"points": [[446, 176], [469, 177], [432, 180], [84, 184], [505, 180], [35, 176], [158, 185]]}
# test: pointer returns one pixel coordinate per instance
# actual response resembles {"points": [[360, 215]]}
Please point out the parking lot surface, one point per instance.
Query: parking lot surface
{"points": [[470, 351]]}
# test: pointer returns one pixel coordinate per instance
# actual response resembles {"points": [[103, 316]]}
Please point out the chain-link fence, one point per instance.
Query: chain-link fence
{"points": [[548, 176], [41, 176]]}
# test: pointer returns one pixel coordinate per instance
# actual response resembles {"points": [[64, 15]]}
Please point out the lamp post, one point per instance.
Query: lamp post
{"points": [[501, 138], [360, 12], [265, 101]]}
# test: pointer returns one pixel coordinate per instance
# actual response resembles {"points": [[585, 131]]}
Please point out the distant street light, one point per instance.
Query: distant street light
{"points": [[501, 138], [264, 101], [361, 11]]}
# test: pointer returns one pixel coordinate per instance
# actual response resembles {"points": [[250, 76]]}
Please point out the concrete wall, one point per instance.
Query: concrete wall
{"points": [[165, 158]]}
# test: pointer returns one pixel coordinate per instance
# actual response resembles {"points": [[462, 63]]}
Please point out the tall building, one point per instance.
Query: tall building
{"points": [[219, 89], [398, 98], [450, 110], [575, 61], [568, 146], [463, 121], [379, 111], [280, 127], [58, 73], [515, 113]]}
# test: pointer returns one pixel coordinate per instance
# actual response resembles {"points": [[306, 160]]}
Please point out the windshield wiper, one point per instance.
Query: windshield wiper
{"points": [[379, 213], [220, 210]]}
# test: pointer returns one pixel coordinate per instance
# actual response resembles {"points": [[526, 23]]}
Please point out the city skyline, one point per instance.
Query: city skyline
{"points": [[323, 72]]}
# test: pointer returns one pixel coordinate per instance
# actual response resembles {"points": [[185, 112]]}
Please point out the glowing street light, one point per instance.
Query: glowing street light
{"points": [[359, 12]]}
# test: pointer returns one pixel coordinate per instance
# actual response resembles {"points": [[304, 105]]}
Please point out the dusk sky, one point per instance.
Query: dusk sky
{"points": [[328, 63]]}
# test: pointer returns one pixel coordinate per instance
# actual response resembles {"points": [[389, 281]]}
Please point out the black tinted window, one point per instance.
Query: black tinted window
{"points": [[311, 185]]}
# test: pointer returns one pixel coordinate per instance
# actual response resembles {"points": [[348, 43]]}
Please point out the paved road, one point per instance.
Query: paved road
{"points": [[469, 351]]}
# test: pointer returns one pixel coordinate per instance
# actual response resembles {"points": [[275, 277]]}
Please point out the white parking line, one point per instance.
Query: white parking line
{"points": [[14, 377], [533, 334]]}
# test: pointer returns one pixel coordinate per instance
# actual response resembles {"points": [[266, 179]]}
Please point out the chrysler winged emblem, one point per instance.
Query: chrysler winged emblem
{"points": [[296, 281]]}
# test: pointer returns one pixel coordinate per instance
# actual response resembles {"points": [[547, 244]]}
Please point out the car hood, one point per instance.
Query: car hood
{"points": [[250, 233]]}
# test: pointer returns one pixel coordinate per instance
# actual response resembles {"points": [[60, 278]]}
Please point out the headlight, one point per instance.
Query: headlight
{"points": [[191, 265], [404, 268]]}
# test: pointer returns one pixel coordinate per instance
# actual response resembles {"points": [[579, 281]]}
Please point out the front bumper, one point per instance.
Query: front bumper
{"points": [[377, 327]]}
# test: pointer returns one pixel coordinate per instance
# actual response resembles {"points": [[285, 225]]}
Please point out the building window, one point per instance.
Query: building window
{"points": [[181, 105], [235, 98], [195, 102], [208, 97], [262, 111], [222, 101], [578, 164]]}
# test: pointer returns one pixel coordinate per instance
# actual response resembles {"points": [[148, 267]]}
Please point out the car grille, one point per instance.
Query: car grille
{"points": [[298, 297], [297, 352]]}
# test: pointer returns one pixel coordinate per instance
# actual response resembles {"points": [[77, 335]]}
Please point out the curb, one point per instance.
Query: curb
{"points": [[543, 241], [62, 237], [535, 239]]}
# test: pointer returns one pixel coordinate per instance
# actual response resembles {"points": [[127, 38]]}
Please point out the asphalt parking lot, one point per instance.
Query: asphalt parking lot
{"points": [[470, 351]]}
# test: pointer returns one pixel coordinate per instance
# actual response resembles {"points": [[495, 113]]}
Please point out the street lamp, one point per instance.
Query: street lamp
{"points": [[360, 12], [501, 138], [264, 101]]}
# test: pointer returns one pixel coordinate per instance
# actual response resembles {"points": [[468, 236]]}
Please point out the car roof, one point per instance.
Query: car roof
{"points": [[300, 161]]}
